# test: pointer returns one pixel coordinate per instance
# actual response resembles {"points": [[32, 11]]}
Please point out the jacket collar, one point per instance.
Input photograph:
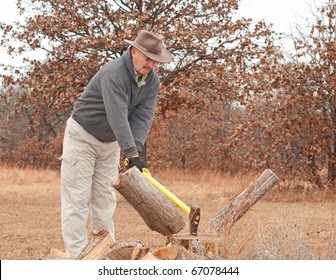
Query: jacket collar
{"points": [[127, 56]]}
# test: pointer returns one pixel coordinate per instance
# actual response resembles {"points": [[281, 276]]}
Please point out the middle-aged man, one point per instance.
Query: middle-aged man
{"points": [[115, 112]]}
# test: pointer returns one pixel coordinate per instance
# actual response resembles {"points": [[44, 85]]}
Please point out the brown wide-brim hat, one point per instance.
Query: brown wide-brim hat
{"points": [[150, 44]]}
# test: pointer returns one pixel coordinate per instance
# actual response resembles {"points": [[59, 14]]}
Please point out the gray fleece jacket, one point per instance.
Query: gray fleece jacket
{"points": [[113, 106]]}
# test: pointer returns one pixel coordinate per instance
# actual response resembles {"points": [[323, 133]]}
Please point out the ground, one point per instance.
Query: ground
{"points": [[287, 223]]}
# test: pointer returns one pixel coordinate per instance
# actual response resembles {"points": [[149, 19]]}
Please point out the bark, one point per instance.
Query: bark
{"points": [[158, 212], [224, 220]]}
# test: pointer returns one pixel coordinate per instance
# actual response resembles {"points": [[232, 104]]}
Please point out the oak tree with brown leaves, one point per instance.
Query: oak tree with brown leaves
{"points": [[290, 118], [210, 51], [229, 101]]}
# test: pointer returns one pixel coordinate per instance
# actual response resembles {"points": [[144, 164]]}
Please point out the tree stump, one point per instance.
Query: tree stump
{"points": [[223, 221], [159, 213]]}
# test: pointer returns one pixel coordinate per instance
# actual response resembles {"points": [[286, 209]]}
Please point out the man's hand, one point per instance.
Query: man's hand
{"points": [[135, 161]]}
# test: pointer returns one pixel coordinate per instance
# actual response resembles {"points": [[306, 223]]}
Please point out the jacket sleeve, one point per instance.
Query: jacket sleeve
{"points": [[116, 106], [142, 117]]}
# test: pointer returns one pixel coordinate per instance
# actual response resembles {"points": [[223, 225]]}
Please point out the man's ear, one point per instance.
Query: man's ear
{"points": [[133, 50]]}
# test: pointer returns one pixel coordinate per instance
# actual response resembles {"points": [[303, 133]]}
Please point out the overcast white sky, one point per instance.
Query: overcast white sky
{"points": [[282, 13]]}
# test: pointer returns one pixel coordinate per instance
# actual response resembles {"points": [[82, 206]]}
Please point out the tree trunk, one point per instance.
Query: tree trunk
{"points": [[332, 153], [223, 221], [159, 213]]}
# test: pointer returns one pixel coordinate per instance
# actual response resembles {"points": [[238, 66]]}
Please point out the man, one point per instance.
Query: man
{"points": [[114, 113]]}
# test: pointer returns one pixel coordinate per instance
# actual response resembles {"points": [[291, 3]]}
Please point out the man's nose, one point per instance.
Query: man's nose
{"points": [[151, 63]]}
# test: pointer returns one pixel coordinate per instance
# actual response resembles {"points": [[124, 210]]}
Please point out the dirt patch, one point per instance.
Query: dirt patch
{"points": [[283, 225]]}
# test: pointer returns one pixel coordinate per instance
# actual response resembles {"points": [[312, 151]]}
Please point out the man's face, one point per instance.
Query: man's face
{"points": [[141, 63]]}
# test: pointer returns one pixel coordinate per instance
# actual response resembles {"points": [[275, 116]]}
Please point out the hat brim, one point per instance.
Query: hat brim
{"points": [[164, 57]]}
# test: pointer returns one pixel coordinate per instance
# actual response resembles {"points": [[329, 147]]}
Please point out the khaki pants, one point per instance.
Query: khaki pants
{"points": [[87, 172]]}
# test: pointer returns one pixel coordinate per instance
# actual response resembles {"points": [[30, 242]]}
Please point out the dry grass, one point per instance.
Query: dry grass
{"points": [[30, 212], [285, 224], [15, 176]]}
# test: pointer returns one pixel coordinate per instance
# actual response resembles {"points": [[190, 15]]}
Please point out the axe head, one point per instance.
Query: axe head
{"points": [[194, 219]]}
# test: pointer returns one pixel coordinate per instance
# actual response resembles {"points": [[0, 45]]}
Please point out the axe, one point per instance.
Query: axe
{"points": [[194, 211]]}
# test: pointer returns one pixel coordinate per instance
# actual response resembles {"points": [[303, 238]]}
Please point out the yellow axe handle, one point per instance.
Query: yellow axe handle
{"points": [[166, 192]]}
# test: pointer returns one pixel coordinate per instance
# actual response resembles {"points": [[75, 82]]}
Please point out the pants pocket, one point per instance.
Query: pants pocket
{"points": [[68, 170]]}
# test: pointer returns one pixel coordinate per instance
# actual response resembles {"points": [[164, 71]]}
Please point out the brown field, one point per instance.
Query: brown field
{"points": [[288, 223]]}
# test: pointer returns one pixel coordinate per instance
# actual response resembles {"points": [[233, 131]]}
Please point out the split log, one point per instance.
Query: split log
{"points": [[127, 249], [205, 246], [56, 254], [99, 244], [159, 213], [223, 221], [185, 254], [97, 248], [167, 253]]}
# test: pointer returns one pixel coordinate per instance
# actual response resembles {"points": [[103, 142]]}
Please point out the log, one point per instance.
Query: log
{"points": [[158, 212], [185, 254], [99, 244], [204, 246], [56, 254], [127, 253], [167, 253], [97, 248], [127, 249], [223, 221]]}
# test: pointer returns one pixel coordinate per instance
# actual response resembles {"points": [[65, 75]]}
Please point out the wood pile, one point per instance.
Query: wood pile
{"points": [[161, 215], [101, 247]]}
